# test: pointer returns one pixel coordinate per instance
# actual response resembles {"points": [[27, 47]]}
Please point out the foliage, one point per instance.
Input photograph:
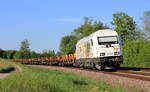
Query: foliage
{"points": [[58, 53], [137, 53], [24, 49], [88, 27], [146, 22], [24, 46], [44, 80], [67, 45], [34, 54], [124, 25], [1, 53], [9, 54], [13, 54], [48, 53], [18, 55]]}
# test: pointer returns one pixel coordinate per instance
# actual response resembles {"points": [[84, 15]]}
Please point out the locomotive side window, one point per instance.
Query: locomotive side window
{"points": [[91, 42], [107, 40]]}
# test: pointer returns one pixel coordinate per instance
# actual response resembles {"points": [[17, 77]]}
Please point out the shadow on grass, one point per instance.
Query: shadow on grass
{"points": [[7, 70], [80, 83]]}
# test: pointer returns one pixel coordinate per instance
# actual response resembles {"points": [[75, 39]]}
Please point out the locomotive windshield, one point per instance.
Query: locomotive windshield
{"points": [[107, 40]]}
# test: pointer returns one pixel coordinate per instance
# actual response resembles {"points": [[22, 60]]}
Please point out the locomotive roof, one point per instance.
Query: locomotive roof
{"points": [[100, 33]]}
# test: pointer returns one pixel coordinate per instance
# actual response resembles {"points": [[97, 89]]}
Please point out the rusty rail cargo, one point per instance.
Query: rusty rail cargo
{"points": [[57, 60]]}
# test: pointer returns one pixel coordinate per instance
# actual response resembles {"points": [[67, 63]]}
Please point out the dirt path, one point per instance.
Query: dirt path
{"points": [[15, 69], [3, 75], [127, 83]]}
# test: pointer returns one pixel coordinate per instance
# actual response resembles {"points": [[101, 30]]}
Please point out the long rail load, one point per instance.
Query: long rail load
{"points": [[99, 50], [57, 60]]}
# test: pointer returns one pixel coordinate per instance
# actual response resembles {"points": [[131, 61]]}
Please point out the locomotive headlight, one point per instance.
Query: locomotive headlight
{"points": [[102, 54], [116, 53], [116, 49]]}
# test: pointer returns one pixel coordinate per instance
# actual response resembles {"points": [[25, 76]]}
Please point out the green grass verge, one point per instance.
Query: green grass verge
{"points": [[32, 79], [5, 66]]}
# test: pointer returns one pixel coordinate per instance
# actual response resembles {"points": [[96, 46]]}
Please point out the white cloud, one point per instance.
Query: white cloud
{"points": [[69, 20]]}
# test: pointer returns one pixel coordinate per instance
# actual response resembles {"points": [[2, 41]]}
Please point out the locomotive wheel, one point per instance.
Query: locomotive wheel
{"points": [[99, 67]]}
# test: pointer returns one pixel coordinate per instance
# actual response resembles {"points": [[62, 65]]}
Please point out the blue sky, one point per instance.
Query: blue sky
{"points": [[44, 22]]}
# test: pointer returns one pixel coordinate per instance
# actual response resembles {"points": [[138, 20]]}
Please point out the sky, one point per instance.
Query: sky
{"points": [[45, 22]]}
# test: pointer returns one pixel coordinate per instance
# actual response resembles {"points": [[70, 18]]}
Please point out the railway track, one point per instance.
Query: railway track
{"points": [[136, 72], [141, 74], [135, 75], [146, 70]]}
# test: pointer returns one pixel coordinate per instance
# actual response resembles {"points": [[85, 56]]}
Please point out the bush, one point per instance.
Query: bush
{"points": [[136, 53]]}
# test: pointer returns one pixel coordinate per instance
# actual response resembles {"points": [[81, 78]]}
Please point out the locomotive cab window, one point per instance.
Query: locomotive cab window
{"points": [[107, 40]]}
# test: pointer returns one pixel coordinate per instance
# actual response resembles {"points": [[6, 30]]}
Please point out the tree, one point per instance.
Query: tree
{"points": [[58, 53], [18, 55], [124, 25], [67, 44], [88, 27], [146, 22], [24, 46], [1, 53], [9, 54], [34, 54], [84, 29], [24, 51], [98, 25], [48, 53]]}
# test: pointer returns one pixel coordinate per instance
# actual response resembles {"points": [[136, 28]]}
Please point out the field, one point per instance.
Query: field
{"points": [[42, 80]]}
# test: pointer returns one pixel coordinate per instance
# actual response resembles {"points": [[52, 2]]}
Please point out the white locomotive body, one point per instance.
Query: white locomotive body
{"points": [[101, 49]]}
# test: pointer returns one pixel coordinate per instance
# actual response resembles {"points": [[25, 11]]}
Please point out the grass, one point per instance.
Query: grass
{"points": [[5, 66], [32, 79]]}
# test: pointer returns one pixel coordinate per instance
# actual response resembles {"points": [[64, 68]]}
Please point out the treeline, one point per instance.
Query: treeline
{"points": [[25, 52]]}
